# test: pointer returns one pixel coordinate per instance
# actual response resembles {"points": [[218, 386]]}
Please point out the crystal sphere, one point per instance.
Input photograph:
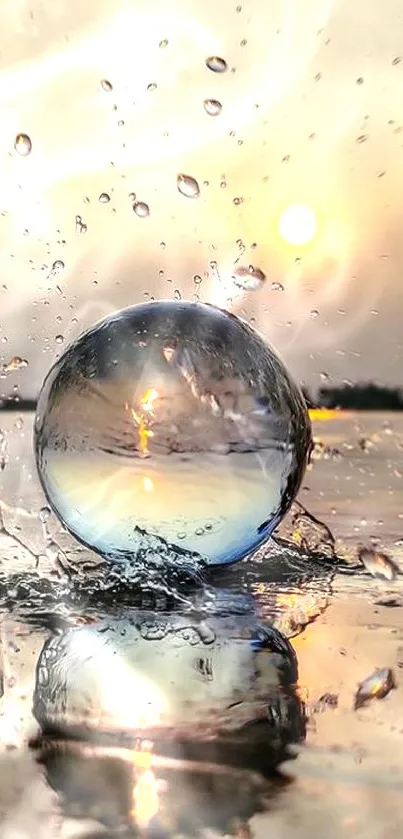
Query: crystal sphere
{"points": [[174, 423]]}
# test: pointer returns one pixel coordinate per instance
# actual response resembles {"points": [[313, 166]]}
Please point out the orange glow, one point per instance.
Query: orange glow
{"points": [[323, 413], [145, 790], [143, 424], [148, 399]]}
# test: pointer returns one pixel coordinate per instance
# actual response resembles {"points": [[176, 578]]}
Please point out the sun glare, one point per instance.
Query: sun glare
{"points": [[298, 224]]}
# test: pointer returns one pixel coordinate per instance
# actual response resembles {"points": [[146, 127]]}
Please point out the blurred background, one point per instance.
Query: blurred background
{"points": [[294, 140]]}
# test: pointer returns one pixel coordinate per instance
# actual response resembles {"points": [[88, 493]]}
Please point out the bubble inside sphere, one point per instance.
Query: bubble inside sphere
{"points": [[173, 422]]}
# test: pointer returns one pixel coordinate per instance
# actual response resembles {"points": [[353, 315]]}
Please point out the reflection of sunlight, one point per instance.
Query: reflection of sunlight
{"points": [[127, 698], [146, 788]]}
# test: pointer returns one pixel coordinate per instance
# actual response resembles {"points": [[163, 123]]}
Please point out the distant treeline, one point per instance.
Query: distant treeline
{"points": [[364, 396], [17, 404]]}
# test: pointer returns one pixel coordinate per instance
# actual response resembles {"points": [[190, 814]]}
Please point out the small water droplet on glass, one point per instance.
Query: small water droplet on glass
{"points": [[396, 60], [44, 514], [314, 313], [249, 278], [152, 86], [106, 85], [212, 107], [188, 186], [197, 279], [243, 42], [177, 294], [23, 145], [324, 376], [360, 80], [16, 363], [59, 339], [57, 267], [81, 227], [277, 286], [104, 198], [362, 138], [237, 201], [163, 43], [141, 209], [216, 64]]}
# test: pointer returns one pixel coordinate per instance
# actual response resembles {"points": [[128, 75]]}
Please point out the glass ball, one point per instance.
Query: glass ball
{"points": [[171, 423]]}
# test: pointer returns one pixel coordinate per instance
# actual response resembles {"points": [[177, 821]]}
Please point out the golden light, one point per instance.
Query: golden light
{"points": [[143, 424], [323, 414], [298, 224], [148, 484], [148, 399], [145, 790]]}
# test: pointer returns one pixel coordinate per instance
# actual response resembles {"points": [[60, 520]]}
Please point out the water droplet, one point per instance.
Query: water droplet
{"points": [[164, 43], [237, 201], [81, 227], [177, 294], [362, 138], [23, 145], [324, 376], [360, 80], [16, 363], [165, 416], [44, 514], [104, 198], [375, 686], [216, 64], [212, 107], [314, 313], [188, 186], [378, 564], [277, 286], [141, 209], [243, 42], [59, 339], [57, 267], [106, 86], [396, 60], [197, 279], [249, 277], [152, 86]]}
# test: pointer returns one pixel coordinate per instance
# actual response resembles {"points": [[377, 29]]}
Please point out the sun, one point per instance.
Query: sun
{"points": [[298, 224]]}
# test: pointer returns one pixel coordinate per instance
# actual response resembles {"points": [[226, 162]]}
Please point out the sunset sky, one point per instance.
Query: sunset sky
{"points": [[312, 115]]}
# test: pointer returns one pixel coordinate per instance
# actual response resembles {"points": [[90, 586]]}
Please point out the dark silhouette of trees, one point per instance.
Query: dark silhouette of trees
{"points": [[363, 396]]}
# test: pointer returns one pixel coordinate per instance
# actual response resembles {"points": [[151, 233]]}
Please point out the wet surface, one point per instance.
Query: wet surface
{"points": [[214, 706]]}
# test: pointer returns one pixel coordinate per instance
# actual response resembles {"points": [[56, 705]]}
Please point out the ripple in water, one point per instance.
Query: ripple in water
{"points": [[171, 427]]}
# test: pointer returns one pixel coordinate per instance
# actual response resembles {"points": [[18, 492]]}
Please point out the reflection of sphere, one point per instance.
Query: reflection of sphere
{"points": [[218, 689], [171, 421], [298, 224]]}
